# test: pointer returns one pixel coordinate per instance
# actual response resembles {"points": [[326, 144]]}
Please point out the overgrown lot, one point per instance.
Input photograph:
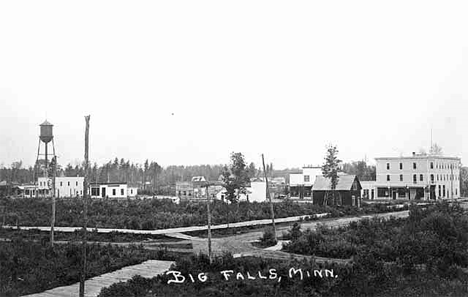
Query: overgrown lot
{"points": [[29, 267], [435, 236], [424, 255], [151, 214]]}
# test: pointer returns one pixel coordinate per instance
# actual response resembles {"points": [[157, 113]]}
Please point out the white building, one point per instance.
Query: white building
{"points": [[368, 191], [111, 190], [256, 192], [418, 177], [132, 191], [64, 186], [300, 184]]}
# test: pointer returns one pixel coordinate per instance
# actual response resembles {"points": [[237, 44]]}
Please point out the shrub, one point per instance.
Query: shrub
{"points": [[268, 237]]}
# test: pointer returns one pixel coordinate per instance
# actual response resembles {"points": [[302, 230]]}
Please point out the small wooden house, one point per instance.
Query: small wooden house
{"points": [[347, 191]]}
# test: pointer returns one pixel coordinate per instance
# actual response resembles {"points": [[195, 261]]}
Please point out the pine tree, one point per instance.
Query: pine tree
{"points": [[330, 170]]}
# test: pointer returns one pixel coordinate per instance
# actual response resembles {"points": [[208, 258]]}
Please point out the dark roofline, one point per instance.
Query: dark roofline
{"points": [[110, 183]]}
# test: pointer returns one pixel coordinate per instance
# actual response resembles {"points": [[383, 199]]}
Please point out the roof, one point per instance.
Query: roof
{"points": [[110, 183], [418, 157], [198, 179], [46, 123], [345, 182]]}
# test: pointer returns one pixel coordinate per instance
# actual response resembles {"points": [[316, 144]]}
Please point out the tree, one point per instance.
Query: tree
{"points": [[422, 152], [235, 177], [252, 170], [330, 170], [145, 173], [360, 169], [155, 170], [464, 181], [435, 150]]}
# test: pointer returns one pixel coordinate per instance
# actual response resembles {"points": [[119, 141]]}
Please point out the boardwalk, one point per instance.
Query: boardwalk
{"points": [[202, 228], [93, 287], [238, 245], [179, 229]]}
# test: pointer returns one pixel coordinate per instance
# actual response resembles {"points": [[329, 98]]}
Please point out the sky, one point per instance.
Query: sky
{"points": [[189, 82]]}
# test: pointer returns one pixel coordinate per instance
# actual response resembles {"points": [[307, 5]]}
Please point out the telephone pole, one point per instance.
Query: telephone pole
{"points": [[210, 255], [85, 210], [269, 195], [52, 221]]}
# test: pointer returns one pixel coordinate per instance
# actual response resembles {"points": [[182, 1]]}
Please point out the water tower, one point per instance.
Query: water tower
{"points": [[46, 136]]}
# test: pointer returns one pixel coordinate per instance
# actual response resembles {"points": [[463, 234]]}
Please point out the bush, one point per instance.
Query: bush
{"points": [[268, 238], [28, 267]]}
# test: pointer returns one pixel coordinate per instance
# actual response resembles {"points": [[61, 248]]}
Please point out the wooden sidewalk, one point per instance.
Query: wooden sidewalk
{"points": [[93, 286]]}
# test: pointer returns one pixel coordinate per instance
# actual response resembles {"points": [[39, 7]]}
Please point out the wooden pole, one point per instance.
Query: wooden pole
{"points": [[52, 221], [210, 255], [85, 210], [271, 202], [3, 208]]}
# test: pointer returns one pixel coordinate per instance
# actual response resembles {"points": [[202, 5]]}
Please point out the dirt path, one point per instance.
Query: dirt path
{"points": [[240, 245]]}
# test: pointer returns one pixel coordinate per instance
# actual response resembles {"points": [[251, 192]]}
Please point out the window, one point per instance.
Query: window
{"points": [[388, 177], [306, 178], [77, 184], [401, 166], [388, 166], [415, 178], [382, 192], [94, 191], [60, 183], [414, 165], [68, 183], [113, 192], [401, 193], [401, 177], [440, 189], [443, 190], [421, 177], [121, 192], [432, 165], [432, 178], [456, 192], [366, 193]]}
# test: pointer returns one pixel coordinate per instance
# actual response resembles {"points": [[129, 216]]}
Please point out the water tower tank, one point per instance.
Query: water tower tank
{"points": [[46, 132]]}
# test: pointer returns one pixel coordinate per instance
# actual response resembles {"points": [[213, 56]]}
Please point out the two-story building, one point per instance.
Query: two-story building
{"points": [[418, 177], [64, 186], [300, 184]]}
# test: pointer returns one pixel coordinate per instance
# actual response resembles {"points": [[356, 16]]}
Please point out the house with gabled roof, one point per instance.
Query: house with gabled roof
{"points": [[348, 190]]}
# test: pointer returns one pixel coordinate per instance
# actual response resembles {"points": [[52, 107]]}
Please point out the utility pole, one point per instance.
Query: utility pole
{"points": [[210, 256], [85, 210], [3, 208], [269, 195], [52, 221]]}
